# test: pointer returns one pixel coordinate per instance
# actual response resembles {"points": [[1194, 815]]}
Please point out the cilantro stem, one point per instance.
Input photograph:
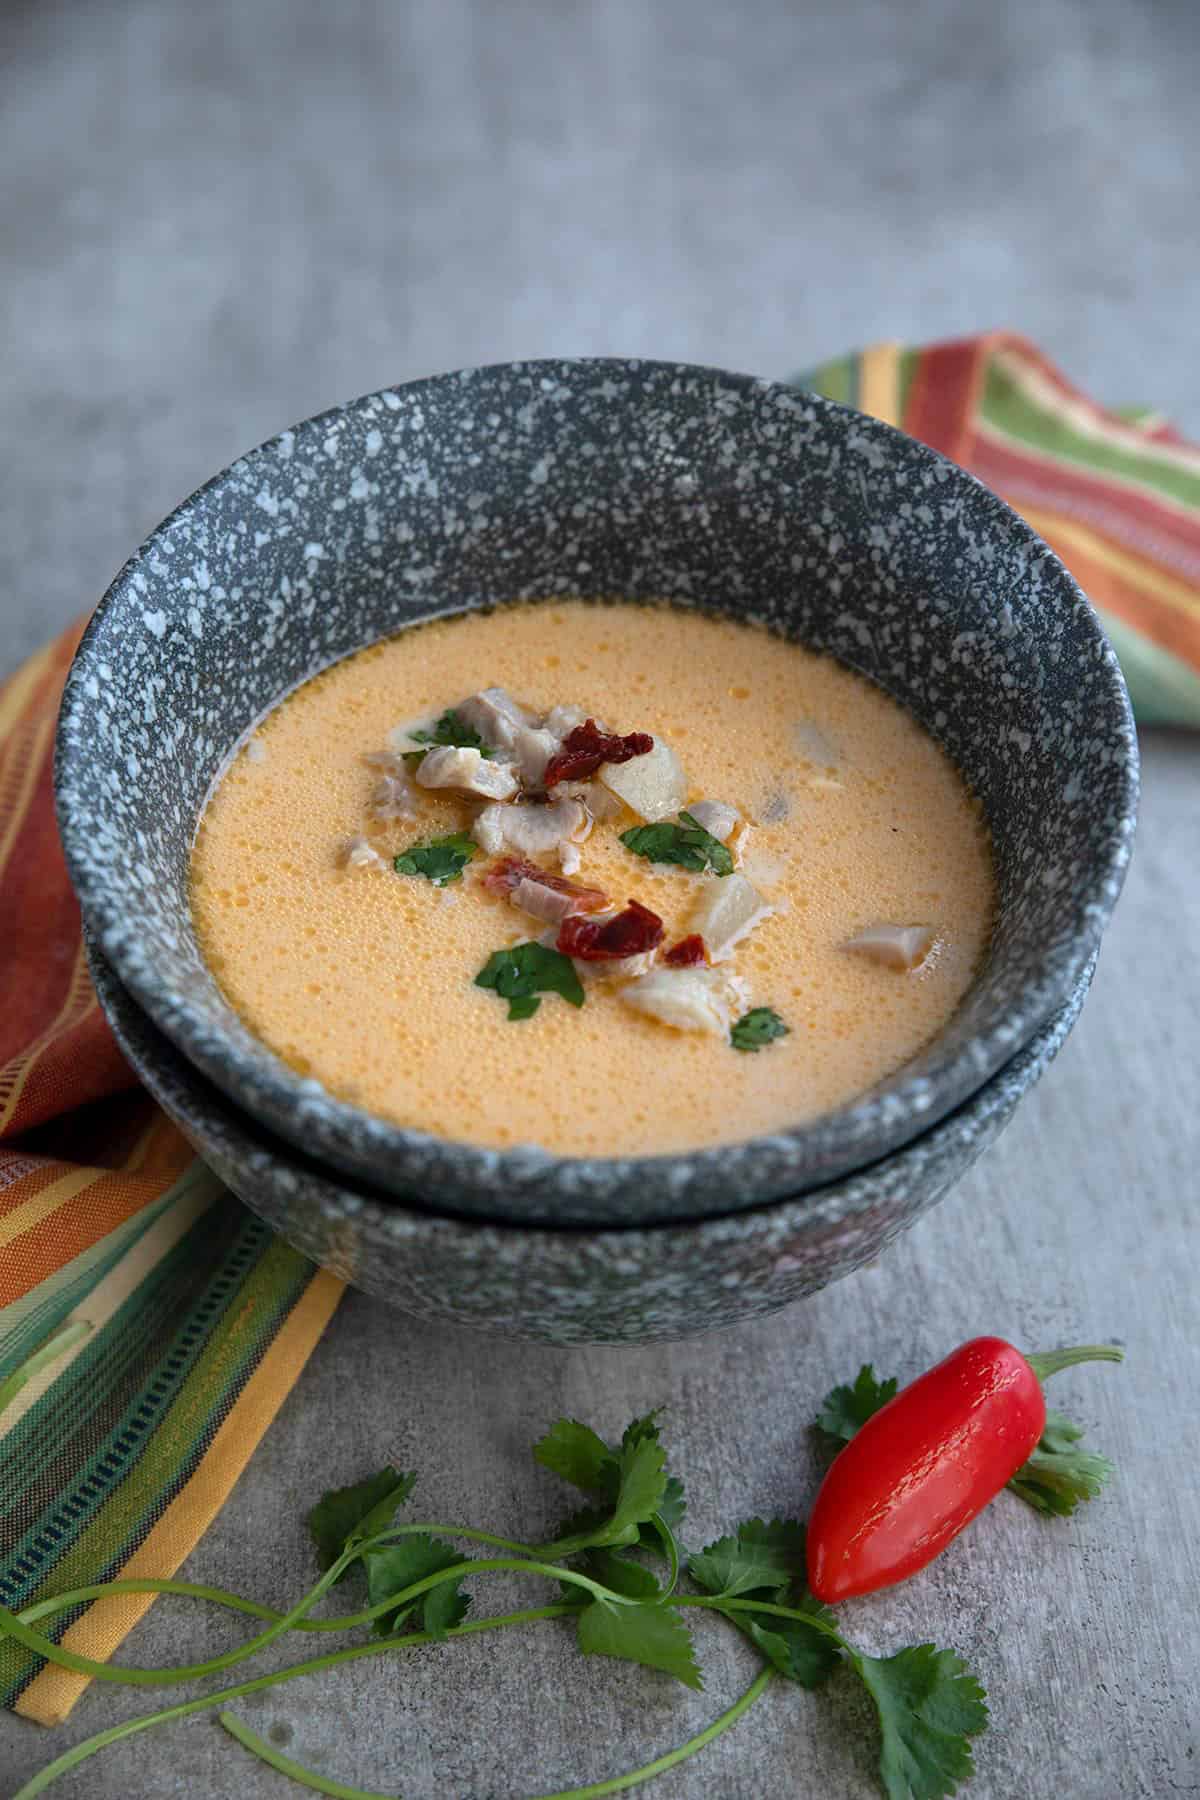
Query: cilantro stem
{"points": [[716, 1603], [671, 1546], [661, 1764], [1049, 1362], [102, 1590], [321, 1784], [70, 1759], [12, 1626], [57, 1344]]}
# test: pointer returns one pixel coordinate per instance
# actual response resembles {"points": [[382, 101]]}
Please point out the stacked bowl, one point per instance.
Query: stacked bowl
{"points": [[595, 478]]}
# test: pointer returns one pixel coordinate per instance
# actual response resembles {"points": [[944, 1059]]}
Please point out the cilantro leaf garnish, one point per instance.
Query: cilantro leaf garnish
{"points": [[621, 1574], [846, 1409], [928, 1705], [394, 1567], [766, 1562], [686, 844], [647, 1633], [760, 1558], [1059, 1476], [452, 731], [519, 975], [360, 1511], [759, 1026], [440, 859], [575, 1452]]}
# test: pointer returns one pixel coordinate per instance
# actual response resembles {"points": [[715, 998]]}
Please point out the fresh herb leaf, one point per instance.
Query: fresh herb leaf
{"points": [[761, 1558], [759, 1026], [649, 1633], [673, 1505], [397, 1566], [440, 860], [1059, 1476], [520, 974], [575, 1452], [845, 1410], [360, 1511], [686, 844], [766, 1562], [580, 1456], [929, 1705], [799, 1652], [452, 731], [621, 1574], [643, 1483]]}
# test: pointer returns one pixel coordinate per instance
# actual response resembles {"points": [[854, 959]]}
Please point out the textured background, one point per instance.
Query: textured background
{"points": [[219, 218]]}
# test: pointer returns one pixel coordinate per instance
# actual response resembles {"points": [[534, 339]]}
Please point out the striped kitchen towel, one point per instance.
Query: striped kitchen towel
{"points": [[150, 1327], [1116, 494]]}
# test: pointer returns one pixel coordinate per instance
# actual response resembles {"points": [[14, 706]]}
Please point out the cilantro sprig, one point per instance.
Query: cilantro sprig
{"points": [[616, 1565], [686, 844], [521, 975], [439, 859], [757, 1028], [453, 731]]}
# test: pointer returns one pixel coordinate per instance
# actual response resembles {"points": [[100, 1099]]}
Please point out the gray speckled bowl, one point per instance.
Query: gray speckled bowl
{"points": [[616, 1286], [600, 478]]}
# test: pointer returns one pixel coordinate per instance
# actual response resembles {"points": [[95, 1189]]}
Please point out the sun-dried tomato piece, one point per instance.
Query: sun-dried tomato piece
{"points": [[506, 875], [585, 748], [605, 940], [687, 953]]}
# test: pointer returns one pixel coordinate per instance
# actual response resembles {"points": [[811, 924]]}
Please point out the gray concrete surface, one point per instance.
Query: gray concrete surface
{"points": [[216, 219]]}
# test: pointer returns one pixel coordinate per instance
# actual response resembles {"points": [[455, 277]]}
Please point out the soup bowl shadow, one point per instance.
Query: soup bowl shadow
{"points": [[600, 478], [631, 1285]]}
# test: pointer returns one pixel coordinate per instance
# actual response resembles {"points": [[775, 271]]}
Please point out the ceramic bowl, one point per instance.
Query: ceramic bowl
{"points": [[616, 1286], [598, 478]]}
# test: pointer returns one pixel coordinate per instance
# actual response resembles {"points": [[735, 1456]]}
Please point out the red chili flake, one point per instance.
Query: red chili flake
{"points": [[686, 953], [585, 748], [605, 940], [506, 875]]}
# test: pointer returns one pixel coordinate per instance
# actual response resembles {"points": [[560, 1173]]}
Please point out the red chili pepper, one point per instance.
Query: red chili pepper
{"points": [[925, 1464], [585, 748], [629, 933]]}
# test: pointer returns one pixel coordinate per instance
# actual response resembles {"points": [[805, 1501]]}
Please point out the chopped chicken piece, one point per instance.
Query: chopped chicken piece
{"points": [[728, 908], [562, 720], [716, 818], [569, 858], [654, 785], [626, 968], [600, 804], [531, 750], [392, 798], [902, 947], [495, 715], [467, 771], [687, 999], [359, 854], [528, 829]]}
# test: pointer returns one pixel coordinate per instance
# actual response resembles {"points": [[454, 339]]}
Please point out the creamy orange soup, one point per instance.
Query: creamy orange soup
{"points": [[849, 820]]}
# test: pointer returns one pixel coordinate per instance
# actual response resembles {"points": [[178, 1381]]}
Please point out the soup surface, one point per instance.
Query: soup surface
{"points": [[848, 818]]}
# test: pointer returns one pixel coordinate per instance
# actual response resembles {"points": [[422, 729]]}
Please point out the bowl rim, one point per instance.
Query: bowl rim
{"points": [[806, 1156], [832, 1203]]}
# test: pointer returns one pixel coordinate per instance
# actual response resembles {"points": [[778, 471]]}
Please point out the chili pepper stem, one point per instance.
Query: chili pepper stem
{"points": [[1049, 1362]]}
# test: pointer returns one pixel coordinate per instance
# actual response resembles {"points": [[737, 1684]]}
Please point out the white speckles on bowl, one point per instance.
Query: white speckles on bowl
{"points": [[600, 478], [615, 1286]]}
